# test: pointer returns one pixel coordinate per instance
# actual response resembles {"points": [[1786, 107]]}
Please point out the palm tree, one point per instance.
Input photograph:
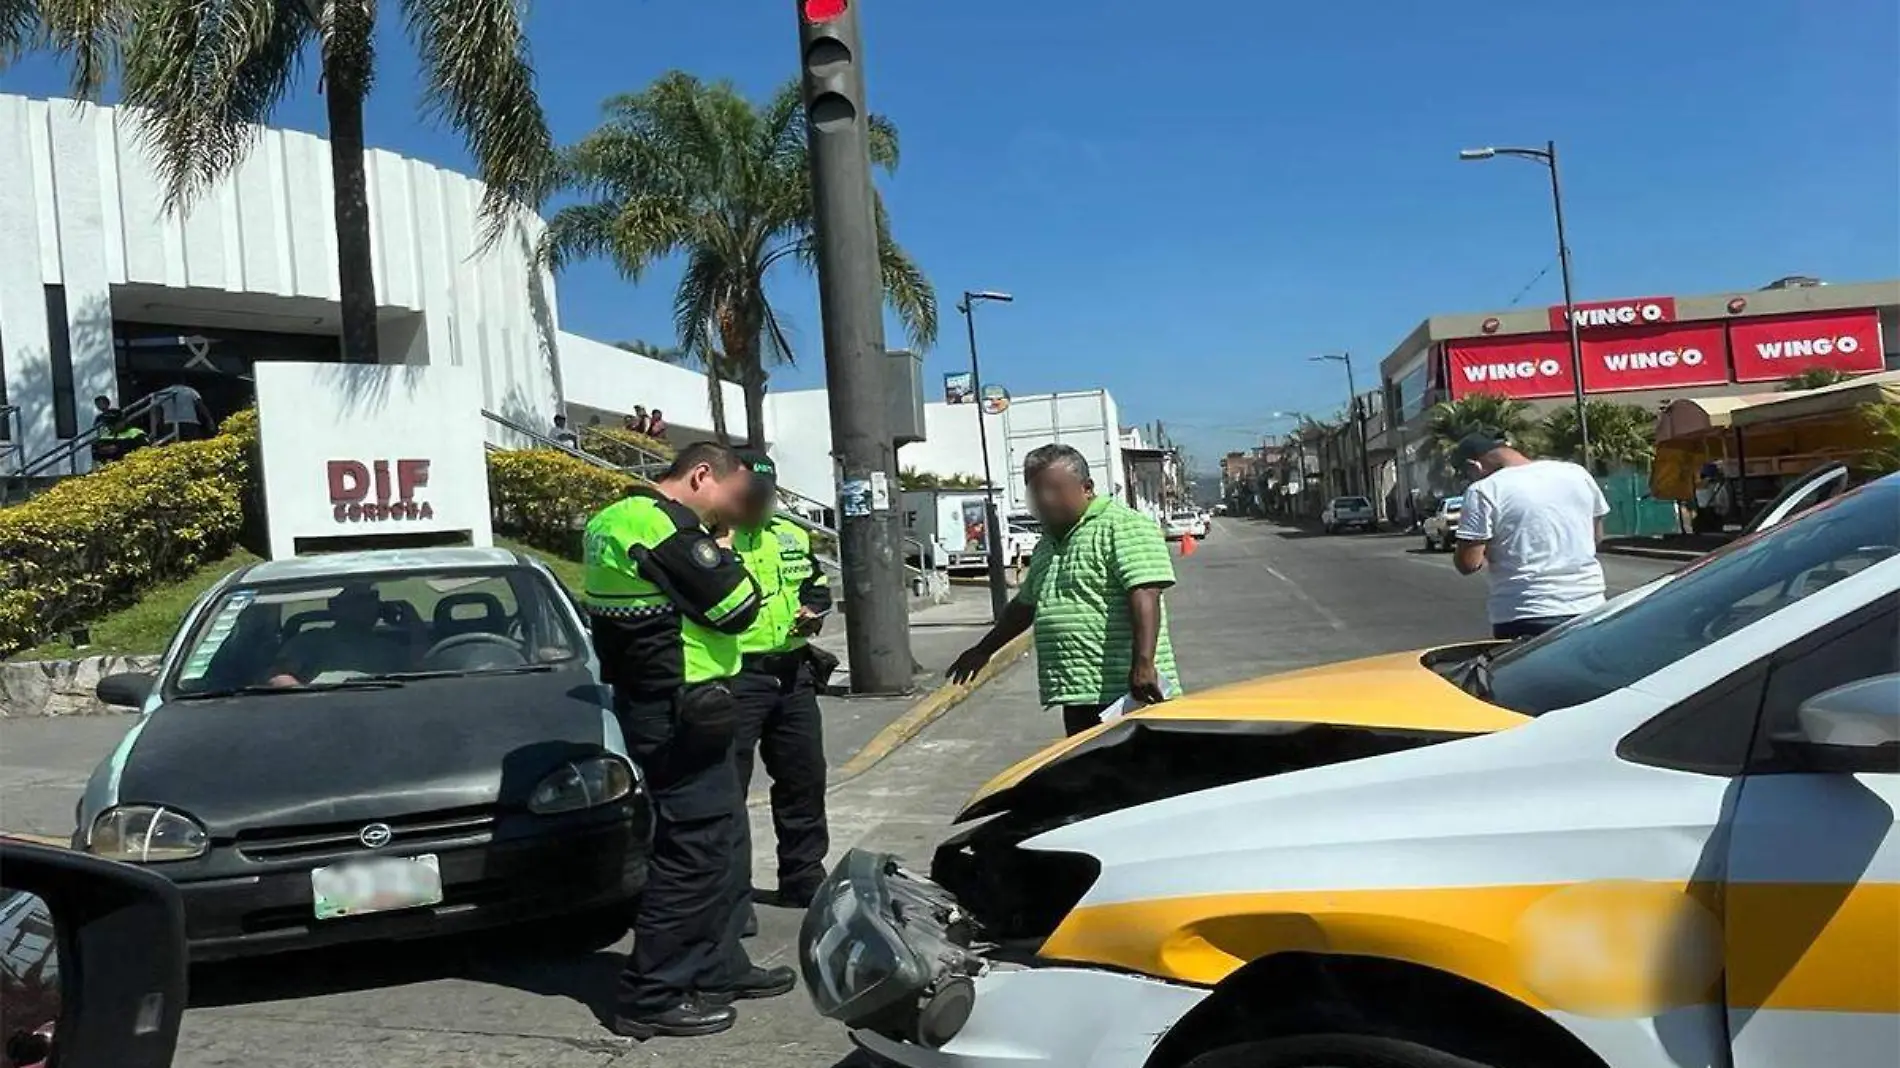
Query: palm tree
{"points": [[718, 368], [205, 76], [1620, 434], [1882, 422], [1813, 378], [696, 169]]}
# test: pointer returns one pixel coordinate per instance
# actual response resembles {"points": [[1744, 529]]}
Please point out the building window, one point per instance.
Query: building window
{"points": [[59, 345]]}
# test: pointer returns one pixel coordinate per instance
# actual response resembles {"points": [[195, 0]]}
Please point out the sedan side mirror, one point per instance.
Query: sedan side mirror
{"points": [[128, 689], [95, 959], [1850, 729]]}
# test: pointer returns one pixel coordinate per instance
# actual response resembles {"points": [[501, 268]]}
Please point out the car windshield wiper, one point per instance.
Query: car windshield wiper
{"points": [[312, 687], [459, 673]]}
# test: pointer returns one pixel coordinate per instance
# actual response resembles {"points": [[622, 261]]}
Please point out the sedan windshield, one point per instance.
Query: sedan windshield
{"points": [[356, 629], [1640, 633]]}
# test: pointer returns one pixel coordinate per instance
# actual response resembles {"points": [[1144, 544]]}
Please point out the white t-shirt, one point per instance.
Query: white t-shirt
{"points": [[1540, 522]]}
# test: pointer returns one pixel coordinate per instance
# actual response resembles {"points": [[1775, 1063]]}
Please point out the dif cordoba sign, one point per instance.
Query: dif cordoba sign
{"points": [[359, 451]]}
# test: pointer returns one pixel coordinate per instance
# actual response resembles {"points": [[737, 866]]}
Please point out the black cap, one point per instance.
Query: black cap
{"points": [[1476, 444], [759, 464]]}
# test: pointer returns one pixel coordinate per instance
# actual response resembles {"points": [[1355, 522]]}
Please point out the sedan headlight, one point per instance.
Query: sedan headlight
{"points": [[146, 834], [582, 784]]}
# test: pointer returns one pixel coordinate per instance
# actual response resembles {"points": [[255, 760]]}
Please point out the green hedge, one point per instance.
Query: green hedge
{"points": [[92, 544], [617, 445], [544, 496]]}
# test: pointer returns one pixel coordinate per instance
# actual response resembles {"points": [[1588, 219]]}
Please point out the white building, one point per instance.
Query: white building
{"points": [[104, 293]]}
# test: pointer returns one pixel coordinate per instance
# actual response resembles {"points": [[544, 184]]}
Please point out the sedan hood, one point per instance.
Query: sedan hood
{"points": [[369, 754], [1248, 730]]}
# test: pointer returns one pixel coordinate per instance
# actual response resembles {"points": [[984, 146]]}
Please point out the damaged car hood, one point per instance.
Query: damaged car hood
{"points": [[1247, 730]]}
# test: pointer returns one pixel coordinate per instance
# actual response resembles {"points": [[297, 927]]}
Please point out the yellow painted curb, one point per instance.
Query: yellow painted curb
{"points": [[39, 839], [928, 710]]}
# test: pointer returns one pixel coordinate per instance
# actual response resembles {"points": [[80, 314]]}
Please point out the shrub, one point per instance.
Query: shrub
{"points": [[544, 496], [617, 445], [95, 543]]}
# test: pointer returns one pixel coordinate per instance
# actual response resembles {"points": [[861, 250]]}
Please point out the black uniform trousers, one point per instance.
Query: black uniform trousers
{"points": [[683, 935], [778, 715]]}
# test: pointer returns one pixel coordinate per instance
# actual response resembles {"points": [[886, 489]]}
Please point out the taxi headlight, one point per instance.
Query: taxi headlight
{"points": [[146, 834], [582, 784]]}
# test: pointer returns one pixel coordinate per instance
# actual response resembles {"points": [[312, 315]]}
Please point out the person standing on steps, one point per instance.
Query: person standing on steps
{"points": [[666, 600], [1093, 592], [776, 693], [1535, 524]]}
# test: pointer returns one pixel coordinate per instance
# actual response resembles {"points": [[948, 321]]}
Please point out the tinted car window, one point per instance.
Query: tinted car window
{"points": [[1862, 652], [319, 631], [1744, 583]]}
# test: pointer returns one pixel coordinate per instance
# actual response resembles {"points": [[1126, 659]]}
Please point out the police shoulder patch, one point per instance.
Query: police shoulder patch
{"points": [[706, 553]]}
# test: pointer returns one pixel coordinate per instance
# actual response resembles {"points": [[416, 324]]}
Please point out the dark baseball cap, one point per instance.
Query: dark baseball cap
{"points": [[764, 473], [1476, 444]]}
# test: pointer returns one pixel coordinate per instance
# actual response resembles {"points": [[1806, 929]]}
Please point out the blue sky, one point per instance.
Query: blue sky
{"points": [[1188, 199]]}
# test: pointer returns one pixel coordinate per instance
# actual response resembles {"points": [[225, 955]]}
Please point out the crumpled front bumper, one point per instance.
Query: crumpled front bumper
{"points": [[1051, 1018], [894, 957]]}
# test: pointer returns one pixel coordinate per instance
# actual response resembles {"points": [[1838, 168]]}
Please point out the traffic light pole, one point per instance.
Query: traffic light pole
{"points": [[850, 299]]}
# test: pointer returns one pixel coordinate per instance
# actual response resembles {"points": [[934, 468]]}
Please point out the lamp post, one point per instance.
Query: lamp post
{"points": [[1355, 413], [993, 527], [1548, 157]]}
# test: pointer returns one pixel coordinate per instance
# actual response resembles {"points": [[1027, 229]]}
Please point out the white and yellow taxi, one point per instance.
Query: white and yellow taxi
{"points": [[1662, 835]]}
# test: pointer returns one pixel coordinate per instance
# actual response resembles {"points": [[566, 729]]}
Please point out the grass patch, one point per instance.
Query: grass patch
{"points": [[143, 628]]}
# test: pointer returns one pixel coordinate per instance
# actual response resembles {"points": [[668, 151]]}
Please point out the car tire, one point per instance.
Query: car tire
{"points": [[1332, 1051], [1430, 545]]}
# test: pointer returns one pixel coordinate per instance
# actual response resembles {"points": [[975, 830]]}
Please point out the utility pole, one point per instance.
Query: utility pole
{"points": [[850, 299]]}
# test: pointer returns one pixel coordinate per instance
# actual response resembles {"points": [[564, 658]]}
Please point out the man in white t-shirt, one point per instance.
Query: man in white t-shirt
{"points": [[1535, 524]]}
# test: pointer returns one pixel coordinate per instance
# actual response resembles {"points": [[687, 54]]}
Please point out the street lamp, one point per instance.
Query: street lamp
{"points": [[1356, 413], [999, 585], [1548, 157]]}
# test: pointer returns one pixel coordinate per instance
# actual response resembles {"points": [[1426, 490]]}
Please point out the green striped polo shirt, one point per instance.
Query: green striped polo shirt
{"points": [[1078, 584]]}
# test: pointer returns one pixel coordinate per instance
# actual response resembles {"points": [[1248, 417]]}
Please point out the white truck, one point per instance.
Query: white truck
{"points": [[951, 527], [1086, 420]]}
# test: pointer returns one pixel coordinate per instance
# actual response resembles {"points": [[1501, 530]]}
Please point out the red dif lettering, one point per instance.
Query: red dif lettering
{"points": [[352, 481]]}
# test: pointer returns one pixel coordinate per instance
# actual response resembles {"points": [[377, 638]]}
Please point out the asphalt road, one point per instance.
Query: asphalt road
{"points": [[1256, 598]]}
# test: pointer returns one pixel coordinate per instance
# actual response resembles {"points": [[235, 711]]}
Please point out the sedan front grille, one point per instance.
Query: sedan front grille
{"points": [[458, 827]]}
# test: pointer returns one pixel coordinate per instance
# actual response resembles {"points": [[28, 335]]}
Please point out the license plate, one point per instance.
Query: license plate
{"points": [[385, 884]]}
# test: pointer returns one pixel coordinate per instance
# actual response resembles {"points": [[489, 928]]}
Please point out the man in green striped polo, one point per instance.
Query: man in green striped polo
{"points": [[1093, 592]]}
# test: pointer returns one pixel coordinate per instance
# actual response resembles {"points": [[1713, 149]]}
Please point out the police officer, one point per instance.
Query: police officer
{"points": [[667, 601], [776, 698]]}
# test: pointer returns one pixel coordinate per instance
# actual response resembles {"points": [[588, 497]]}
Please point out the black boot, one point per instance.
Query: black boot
{"points": [[751, 923], [757, 983], [691, 1018], [798, 895]]}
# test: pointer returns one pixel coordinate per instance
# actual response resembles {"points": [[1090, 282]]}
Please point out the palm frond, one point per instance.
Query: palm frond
{"points": [[480, 80], [88, 32], [906, 288], [205, 79]]}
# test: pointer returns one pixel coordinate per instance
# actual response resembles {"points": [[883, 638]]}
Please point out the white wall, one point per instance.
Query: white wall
{"points": [[601, 376], [80, 206], [799, 428]]}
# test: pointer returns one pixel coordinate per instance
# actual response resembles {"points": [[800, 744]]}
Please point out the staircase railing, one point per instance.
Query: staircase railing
{"points": [[651, 463], [67, 452]]}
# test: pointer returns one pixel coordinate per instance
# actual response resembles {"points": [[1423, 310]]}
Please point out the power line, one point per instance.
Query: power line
{"points": [[1538, 277]]}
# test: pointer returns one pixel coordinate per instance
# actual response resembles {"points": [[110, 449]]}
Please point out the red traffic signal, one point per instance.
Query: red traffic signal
{"points": [[817, 11]]}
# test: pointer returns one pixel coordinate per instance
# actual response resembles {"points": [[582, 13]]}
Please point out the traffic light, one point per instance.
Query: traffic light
{"points": [[817, 11]]}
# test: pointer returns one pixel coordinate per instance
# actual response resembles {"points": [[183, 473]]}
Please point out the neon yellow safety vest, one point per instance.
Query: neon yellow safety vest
{"points": [[778, 555], [666, 601]]}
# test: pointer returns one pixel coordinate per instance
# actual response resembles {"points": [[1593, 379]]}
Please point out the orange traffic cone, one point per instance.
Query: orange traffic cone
{"points": [[1188, 545]]}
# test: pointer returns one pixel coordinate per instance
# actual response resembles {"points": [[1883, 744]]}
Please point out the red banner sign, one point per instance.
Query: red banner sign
{"points": [[1784, 345], [1522, 366], [1639, 311], [1654, 357]]}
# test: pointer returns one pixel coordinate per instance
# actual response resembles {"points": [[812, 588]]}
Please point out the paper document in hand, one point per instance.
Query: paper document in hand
{"points": [[1130, 703]]}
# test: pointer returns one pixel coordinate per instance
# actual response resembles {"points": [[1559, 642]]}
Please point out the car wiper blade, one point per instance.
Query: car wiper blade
{"points": [[459, 673], [1477, 677], [317, 687]]}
